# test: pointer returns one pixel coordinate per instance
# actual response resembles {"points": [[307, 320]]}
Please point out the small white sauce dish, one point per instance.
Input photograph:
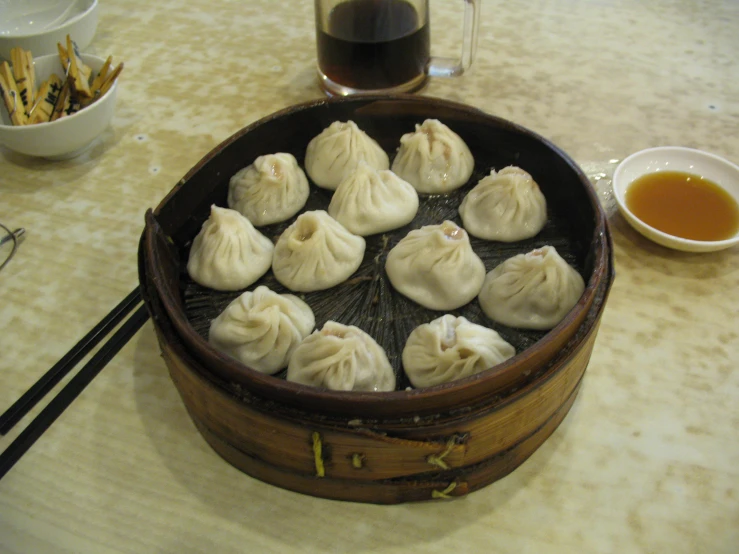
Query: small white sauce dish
{"points": [[675, 158], [38, 25], [69, 136]]}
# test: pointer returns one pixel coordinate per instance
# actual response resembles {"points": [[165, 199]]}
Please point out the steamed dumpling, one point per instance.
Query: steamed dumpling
{"points": [[505, 206], [436, 267], [369, 201], [451, 348], [531, 291], [270, 190], [316, 252], [262, 329], [337, 151], [228, 253], [434, 159], [342, 358]]}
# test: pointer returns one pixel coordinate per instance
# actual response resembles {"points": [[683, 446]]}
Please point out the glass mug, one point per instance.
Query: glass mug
{"points": [[383, 46]]}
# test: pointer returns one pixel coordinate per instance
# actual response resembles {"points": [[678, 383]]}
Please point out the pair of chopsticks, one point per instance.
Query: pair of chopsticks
{"points": [[77, 384]]}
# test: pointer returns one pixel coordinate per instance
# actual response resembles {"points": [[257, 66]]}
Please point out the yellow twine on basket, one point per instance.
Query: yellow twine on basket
{"points": [[317, 452], [357, 461], [438, 459], [445, 492]]}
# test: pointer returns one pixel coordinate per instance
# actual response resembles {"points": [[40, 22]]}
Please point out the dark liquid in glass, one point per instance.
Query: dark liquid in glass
{"points": [[373, 44]]}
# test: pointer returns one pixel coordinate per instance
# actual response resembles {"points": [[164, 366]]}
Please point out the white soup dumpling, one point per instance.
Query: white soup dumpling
{"points": [[228, 253], [434, 159], [370, 201], [341, 358], [436, 267], [337, 151], [531, 291], [270, 190], [316, 252], [451, 348], [262, 329], [507, 206]]}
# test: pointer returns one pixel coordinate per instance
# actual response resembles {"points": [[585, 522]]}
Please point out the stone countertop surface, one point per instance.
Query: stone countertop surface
{"points": [[646, 461]]}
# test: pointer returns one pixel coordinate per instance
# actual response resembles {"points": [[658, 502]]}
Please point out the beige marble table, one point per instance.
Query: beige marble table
{"points": [[646, 461]]}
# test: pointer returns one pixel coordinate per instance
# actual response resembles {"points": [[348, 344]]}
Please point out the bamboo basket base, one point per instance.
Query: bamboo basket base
{"points": [[455, 483]]}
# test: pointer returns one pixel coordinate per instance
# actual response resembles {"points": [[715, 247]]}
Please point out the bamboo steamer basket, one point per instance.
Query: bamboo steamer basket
{"points": [[406, 445]]}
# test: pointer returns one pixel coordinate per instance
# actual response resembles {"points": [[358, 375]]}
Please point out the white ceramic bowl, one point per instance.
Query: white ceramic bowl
{"points": [[675, 158], [66, 137], [38, 25]]}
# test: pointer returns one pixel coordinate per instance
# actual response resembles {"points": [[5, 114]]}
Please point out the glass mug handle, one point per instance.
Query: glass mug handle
{"points": [[451, 67]]}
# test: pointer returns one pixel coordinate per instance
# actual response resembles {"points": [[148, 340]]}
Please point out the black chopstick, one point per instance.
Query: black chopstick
{"points": [[71, 390], [47, 382]]}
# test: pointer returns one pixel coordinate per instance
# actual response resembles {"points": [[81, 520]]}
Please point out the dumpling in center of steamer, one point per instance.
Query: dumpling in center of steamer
{"points": [[434, 159], [337, 151], [316, 252], [343, 358], [436, 267], [369, 201]]}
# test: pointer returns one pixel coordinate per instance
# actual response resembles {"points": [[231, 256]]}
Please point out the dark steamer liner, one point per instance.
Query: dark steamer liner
{"points": [[182, 311]]}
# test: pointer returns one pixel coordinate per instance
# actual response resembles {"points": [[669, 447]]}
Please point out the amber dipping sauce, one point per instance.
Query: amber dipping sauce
{"points": [[684, 205]]}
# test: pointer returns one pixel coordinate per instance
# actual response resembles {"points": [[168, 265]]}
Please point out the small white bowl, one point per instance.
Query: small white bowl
{"points": [[675, 158], [66, 137], [24, 23]]}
